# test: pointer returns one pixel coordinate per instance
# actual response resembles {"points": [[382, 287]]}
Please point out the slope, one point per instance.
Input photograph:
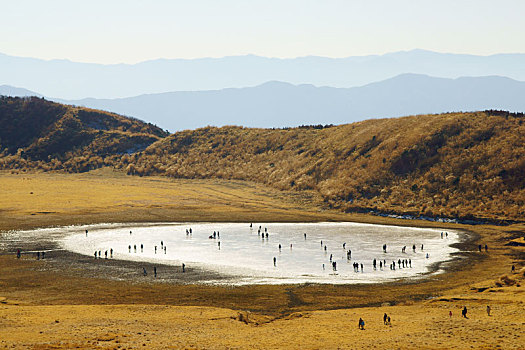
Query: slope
{"points": [[39, 134], [458, 165]]}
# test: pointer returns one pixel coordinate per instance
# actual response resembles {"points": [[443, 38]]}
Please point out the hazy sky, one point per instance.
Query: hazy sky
{"points": [[113, 31]]}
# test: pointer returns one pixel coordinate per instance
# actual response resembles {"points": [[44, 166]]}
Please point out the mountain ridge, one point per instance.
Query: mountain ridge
{"points": [[282, 104], [53, 77]]}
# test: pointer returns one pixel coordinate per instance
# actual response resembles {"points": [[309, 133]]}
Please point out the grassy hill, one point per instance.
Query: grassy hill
{"points": [[467, 165], [38, 134], [457, 165]]}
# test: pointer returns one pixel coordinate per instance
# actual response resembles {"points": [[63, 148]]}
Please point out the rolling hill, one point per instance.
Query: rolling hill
{"points": [[467, 165], [453, 165], [38, 134]]}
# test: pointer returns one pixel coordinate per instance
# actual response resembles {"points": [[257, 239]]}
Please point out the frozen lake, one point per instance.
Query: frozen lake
{"points": [[241, 252]]}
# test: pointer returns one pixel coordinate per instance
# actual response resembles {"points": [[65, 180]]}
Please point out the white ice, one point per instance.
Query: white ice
{"points": [[248, 257]]}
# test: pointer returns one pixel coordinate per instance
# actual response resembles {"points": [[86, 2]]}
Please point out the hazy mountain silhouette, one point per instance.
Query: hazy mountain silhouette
{"points": [[277, 104], [72, 80], [7, 90]]}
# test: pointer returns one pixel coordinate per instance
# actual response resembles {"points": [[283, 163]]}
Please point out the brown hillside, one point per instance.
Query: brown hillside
{"points": [[457, 165], [466, 165], [39, 134]]}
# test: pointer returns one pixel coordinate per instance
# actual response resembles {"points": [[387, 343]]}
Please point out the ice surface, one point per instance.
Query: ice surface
{"points": [[248, 257]]}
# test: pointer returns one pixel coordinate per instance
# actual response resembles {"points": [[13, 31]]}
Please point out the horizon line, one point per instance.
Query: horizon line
{"points": [[262, 56]]}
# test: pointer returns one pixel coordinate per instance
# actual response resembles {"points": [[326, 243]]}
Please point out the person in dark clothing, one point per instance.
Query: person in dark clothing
{"points": [[464, 312]]}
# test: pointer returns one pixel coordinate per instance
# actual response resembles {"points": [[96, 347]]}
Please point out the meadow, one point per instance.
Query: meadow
{"points": [[66, 301]]}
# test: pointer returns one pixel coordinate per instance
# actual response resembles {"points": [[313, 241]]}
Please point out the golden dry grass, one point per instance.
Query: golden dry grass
{"points": [[107, 314]]}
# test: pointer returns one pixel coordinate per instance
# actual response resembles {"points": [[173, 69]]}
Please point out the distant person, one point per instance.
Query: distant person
{"points": [[361, 267], [334, 266], [155, 249], [291, 246], [385, 316], [219, 244], [141, 248], [330, 257], [111, 253], [183, 267], [279, 247], [155, 271], [388, 321], [144, 272], [37, 255], [384, 248], [464, 312], [479, 247], [250, 225], [422, 247], [274, 261], [513, 269], [106, 255], [129, 248], [305, 236], [43, 255], [164, 249], [414, 248], [135, 248], [130, 233], [86, 232], [486, 248], [488, 310], [361, 324], [450, 313], [18, 253], [95, 254]]}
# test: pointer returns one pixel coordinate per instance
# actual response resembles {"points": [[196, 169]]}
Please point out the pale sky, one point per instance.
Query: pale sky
{"points": [[130, 31]]}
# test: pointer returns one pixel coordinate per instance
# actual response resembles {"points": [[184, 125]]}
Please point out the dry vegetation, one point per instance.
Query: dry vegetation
{"points": [[457, 165], [466, 165], [67, 301], [36, 134]]}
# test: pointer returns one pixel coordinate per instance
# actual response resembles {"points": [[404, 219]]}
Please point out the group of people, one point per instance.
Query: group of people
{"points": [[263, 232]]}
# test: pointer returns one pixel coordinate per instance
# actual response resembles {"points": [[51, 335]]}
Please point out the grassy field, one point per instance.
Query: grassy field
{"points": [[48, 304]]}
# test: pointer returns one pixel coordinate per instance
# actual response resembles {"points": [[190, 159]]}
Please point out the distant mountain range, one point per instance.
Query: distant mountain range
{"points": [[278, 104], [72, 80]]}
